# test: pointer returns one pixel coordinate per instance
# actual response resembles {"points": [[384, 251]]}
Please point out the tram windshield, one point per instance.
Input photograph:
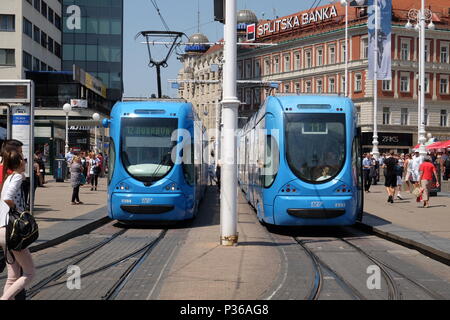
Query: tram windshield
{"points": [[315, 145], [146, 147]]}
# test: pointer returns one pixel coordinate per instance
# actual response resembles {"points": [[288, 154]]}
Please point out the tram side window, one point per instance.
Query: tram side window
{"points": [[357, 161], [111, 159], [188, 163], [271, 162]]}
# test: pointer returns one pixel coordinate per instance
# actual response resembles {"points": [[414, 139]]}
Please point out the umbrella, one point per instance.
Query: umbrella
{"points": [[439, 145]]}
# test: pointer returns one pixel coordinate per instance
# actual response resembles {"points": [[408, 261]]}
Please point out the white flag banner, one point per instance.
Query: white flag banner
{"points": [[383, 63]]}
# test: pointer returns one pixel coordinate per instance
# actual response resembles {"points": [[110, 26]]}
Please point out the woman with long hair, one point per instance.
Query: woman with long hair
{"points": [[94, 170], [76, 170], [11, 195]]}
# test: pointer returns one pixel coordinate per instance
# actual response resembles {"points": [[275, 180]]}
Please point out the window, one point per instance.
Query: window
{"points": [[427, 50], [43, 39], [58, 22], [443, 121], [36, 64], [271, 161], [331, 85], [425, 117], [43, 66], [332, 55], [444, 53], [404, 50], [387, 85], [257, 68], [343, 52], [57, 49], [266, 66], [404, 116], [257, 96], [358, 114], [308, 88], [287, 63], [319, 56], [276, 64], [7, 22], [358, 80], [308, 61], [343, 84], [27, 60], [51, 15], [297, 87], [240, 71], [248, 69], [37, 34], [37, 5], [7, 57], [444, 85], [427, 83], [365, 48], [319, 86], [27, 28], [404, 83], [386, 115], [287, 88], [297, 65], [50, 44], [44, 9]]}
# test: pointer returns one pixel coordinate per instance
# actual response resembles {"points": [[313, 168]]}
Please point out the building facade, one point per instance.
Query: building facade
{"points": [[30, 37], [309, 58], [93, 40]]}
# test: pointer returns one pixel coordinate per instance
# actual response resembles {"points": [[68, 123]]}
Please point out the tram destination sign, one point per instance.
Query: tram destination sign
{"points": [[12, 92]]}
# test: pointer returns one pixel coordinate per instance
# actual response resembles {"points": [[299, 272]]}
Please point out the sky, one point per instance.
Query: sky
{"points": [[181, 15]]}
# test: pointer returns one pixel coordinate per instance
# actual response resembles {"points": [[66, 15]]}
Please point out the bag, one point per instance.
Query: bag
{"points": [[21, 231], [417, 192], [83, 179], [96, 170]]}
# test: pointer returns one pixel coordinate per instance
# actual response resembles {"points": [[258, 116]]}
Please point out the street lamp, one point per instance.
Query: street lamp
{"points": [[96, 118], [420, 16], [67, 108]]}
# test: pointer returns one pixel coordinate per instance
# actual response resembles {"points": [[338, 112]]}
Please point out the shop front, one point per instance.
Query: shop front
{"points": [[388, 141]]}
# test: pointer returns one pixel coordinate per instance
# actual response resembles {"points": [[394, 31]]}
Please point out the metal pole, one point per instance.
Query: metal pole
{"points": [[67, 133], [216, 147], [421, 98], [230, 104], [8, 122], [158, 79], [346, 49], [95, 133], [31, 152], [375, 151]]}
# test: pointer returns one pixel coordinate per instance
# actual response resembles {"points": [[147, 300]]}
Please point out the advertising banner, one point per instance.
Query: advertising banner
{"points": [[383, 43], [21, 121]]}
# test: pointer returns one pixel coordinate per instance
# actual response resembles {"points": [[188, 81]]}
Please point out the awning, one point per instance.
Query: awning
{"points": [[436, 145]]}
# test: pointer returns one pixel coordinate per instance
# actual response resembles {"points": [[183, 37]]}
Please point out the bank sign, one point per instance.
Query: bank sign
{"points": [[292, 22]]}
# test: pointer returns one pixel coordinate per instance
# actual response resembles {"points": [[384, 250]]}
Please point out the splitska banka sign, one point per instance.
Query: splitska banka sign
{"points": [[291, 22]]}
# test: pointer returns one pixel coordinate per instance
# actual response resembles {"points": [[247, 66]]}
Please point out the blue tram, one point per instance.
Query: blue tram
{"points": [[156, 168], [300, 161]]}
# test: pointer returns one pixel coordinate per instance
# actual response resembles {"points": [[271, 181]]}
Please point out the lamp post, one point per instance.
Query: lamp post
{"points": [[375, 152], [420, 16], [96, 118], [67, 108]]}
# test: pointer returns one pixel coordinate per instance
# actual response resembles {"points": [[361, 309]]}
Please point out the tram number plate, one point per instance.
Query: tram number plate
{"points": [[146, 200], [316, 204]]}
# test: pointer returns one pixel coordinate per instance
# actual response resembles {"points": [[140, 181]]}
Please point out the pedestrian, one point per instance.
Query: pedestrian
{"points": [[446, 165], [375, 173], [41, 172], [218, 169], [417, 160], [94, 170], [211, 174], [390, 178], [76, 171], [427, 170], [367, 165], [407, 168], [399, 170], [21, 270]]}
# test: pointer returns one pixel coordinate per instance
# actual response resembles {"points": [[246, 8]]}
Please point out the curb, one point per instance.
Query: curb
{"points": [[432, 252], [72, 234]]}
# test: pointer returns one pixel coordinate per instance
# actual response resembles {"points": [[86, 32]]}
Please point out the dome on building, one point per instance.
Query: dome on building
{"points": [[246, 16], [199, 43], [198, 38]]}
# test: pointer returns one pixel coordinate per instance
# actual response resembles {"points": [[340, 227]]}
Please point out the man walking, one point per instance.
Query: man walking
{"points": [[390, 164], [367, 165], [427, 170]]}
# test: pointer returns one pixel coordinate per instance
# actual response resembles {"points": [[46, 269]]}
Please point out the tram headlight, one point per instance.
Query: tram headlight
{"points": [[344, 189], [122, 187], [171, 187]]}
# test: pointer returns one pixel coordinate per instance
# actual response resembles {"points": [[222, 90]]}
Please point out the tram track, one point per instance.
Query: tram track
{"points": [[34, 290], [142, 253], [319, 266]]}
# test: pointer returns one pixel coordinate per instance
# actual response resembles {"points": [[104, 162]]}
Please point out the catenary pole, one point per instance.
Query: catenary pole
{"points": [[422, 150], [375, 151], [230, 104]]}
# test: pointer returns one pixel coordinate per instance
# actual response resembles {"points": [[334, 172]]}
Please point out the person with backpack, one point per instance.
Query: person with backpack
{"points": [[20, 264], [446, 165]]}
